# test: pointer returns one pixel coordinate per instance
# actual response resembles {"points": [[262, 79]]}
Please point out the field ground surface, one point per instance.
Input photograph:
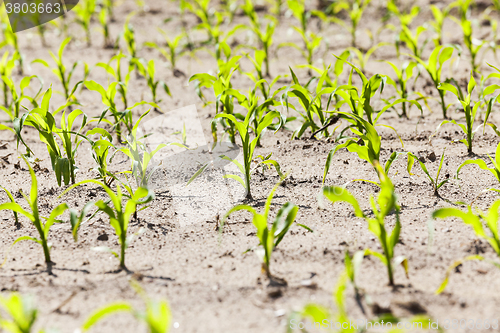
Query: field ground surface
{"points": [[210, 282]]}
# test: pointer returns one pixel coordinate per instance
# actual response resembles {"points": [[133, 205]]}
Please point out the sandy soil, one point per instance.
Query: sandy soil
{"points": [[210, 283]]}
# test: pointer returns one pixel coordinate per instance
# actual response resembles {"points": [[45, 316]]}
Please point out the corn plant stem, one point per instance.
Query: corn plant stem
{"points": [[443, 105], [383, 238]]}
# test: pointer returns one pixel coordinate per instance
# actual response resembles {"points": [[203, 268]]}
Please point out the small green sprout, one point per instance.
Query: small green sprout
{"points": [[434, 67], [14, 109], [84, 12], [116, 73], [119, 213], [148, 71], [436, 184], [386, 204], [403, 75], [355, 11], [475, 220], [495, 170], [174, 49], [470, 109], [269, 238], [63, 74], [157, 316], [43, 228], [21, 311], [63, 159], [7, 65], [243, 129]]}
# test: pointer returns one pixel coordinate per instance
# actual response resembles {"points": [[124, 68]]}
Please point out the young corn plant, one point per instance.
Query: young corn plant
{"points": [[312, 105], [148, 71], [100, 151], [435, 183], [42, 227], [437, 24], [312, 42], [21, 312], [139, 155], [119, 213], [84, 12], [63, 74], [269, 238], [362, 56], [173, 50], [63, 159], [470, 109], [116, 73], [434, 67], [243, 128], [128, 35], [475, 220], [104, 29], [120, 117], [355, 10], [495, 170], [473, 44], [7, 65], [386, 204], [11, 39], [14, 108], [157, 316], [403, 75]]}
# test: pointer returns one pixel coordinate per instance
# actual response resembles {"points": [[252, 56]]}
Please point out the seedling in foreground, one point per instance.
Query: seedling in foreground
{"points": [[385, 205], [476, 222], [43, 228], [436, 185], [243, 129], [269, 238], [119, 213], [157, 316], [495, 170], [62, 159], [21, 311], [470, 109]]}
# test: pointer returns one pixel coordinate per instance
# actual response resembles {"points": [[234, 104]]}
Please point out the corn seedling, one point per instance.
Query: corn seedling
{"points": [[139, 155], [386, 203], [104, 29], [7, 65], [148, 71], [43, 228], [14, 109], [17, 224], [243, 129], [312, 105], [403, 75], [119, 213], [269, 238], [437, 24], [470, 109], [362, 56], [157, 315], [108, 99], [62, 159], [173, 50], [303, 15], [312, 42], [436, 184], [474, 45], [21, 312], [475, 220], [434, 67], [128, 35], [100, 151], [220, 85], [63, 74], [495, 170], [355, 11], [116, 73], [11, 39], [84, 12]]}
